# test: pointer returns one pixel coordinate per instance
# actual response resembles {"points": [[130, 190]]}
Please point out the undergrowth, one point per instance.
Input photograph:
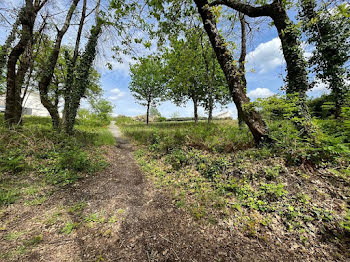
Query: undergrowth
{"points": [[46, 158], [216, 174]]}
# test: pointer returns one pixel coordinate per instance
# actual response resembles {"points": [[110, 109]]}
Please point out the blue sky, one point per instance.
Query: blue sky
{"points": [[265, 73], [264, 58]]}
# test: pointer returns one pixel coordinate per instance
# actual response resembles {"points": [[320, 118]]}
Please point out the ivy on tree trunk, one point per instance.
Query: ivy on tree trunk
{"points": [[289, 35]]}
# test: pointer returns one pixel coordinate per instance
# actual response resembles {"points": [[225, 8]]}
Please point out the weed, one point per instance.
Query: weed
{"points": [[8, 196], [36, 202], [112, 219], [51, 220], [35, 240], [272, 173], [14, 235], [77, 208], [95, 217], [69, 227]]}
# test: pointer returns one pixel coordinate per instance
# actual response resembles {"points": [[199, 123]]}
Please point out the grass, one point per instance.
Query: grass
{"points": [[35, 162], [49, 158], [218, 137], [217, 175]]}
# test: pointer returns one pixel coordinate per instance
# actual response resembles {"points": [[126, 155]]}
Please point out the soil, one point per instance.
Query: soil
{"points": [[133, 221]]}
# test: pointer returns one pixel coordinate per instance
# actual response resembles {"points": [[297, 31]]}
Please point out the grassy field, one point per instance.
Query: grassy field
{"points": [[291, 191]]}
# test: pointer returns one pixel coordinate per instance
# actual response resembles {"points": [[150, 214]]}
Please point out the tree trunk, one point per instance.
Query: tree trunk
{"points": [[46, 79], [210, 81], [252, 118], [83, 71], [289, 35], [210, 110], [242, 61], [13, 109], [297, 76], [81, 82], [322, 32], [36, 41], [339, 97], [147, 114], [6, 47], [71, 65], [195, 109]]}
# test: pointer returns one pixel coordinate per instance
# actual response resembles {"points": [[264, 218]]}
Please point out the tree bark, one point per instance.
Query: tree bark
{"points": [[210, 110], [71, 65], [46, 79], [13, 109], [6, 47], [83, 71], [81, 81], [148, 109], [27, 17], [252, 118], [242, 61], [36, 41], [195, 109], [289, 35]]}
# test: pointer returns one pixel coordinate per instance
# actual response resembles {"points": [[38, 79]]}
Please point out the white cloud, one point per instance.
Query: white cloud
{"points": [[260, 93], [319, 89], [266, 57], [117, 94]]}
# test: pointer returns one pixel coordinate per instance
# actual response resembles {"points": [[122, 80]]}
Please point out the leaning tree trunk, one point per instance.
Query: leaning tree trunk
{"points": [[83, 72], [13, 109], [252, 118], [242, 61], [291, 46], [71, 63], [48, 73], [8, 43]]}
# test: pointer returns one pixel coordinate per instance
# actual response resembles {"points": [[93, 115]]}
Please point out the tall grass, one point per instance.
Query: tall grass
{"points": [[219, 136]]}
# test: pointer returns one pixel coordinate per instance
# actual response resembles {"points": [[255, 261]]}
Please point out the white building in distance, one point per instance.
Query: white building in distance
{"points": [[31, 105], [224, 115]]}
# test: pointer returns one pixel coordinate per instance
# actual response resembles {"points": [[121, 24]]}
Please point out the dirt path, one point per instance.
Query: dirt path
{"points": [[118, 215]]}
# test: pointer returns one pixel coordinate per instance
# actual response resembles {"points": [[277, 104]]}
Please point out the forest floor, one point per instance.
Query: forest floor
{"points": [[118, 214]]}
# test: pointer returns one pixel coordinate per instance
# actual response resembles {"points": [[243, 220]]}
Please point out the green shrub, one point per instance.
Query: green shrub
{"points": [[161, 119], [75, 160], [177, 159]]}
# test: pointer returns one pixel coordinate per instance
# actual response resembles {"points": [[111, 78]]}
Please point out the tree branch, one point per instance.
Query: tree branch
{"points": [[249, 10]]}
